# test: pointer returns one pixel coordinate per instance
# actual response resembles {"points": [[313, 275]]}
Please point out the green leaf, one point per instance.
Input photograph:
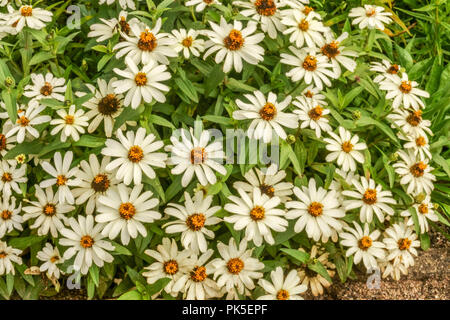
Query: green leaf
{"points": [[130, 295], [9, 98], [119, 249], [239, 86], [157, 286], [424, 241], [320, 269], [298, 255], [40, 57], [352, 94], [218, 119], [155, 119], [405, 57], [186, 86], [366, 121], [26, 148], [94, 273], [214, 78], [413, 213], [90, 141], [25, 242]]}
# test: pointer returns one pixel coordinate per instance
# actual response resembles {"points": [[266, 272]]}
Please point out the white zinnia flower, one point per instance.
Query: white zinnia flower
{"points": [[415, 173], [71, 123], [312, 115], [234, 44], [370, 198], [236, 269], [146, 45], [314, 95], [33, 18], [94, 182], [403, 91], [124, 4], [264, 11], [61, 176], [268, 115], [26, 120], [188, 42], [142, 84], [308, 65], [257, 214], [370, 17], [384, 67], [108, 28], [8, 255], [170, 263], [192, 155], [394, 270], [425, 212], [401, 243], [10, 177], [345, 149], [135, 154], [48, 211], [193, 218], [10, 217], [410, 122], [363, 245], [317, 211], [338, 54], [343, 177], [86, 241], [124, 211], [282, 288], [269, 180], [48, 87], [201, 4], [51, 258], [418, 144]]}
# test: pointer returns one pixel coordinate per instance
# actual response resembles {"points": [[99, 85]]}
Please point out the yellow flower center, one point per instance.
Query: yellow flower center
{"points": [[265, 7], [370, 196], [268, 111], [49, 210], [3, 254], [414, 118], [61, 180], [418, 169], [404, 243], [370, 12], [140, 79], [23, 121], [267, 189], [6, 177], [187, 42], [365, 243], [405, 87], [196, 221], [69, 119], [198, 274], [423, 208], [393, 69], [347, 146], [54, 259], [331, 50], [124, 26], [315, 113], [307, 10], [170, 267], [420, 141], [86, 242], [6, 214], [127, 210], [234, 40], [235, 265], [147, 41], [46, 89], [282, 295], [2, 142], [310, 63], [257, 213], [303, 25], [135, 154], [198, 155], [26, 11]]}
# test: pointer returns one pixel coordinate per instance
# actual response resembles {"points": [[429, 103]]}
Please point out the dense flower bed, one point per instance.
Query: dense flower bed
{"points": [[218, 149]]}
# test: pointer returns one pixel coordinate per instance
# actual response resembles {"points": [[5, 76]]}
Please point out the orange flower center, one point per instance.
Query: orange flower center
{"points": [[49, 210], [6, 214], [170, 267], [282, 295], [309, 94], [267, 189], [6, 177], [54, 259], [414, 118], [265, 7], [235, 265], [257, 213], [147, 41], [208, 2], [418, 169], [315, 113], [234, 40], [61, 180], [405, 87], [196, 221], [420, 141], [127, 210], [3, 254], [315, 209], [303, 25], [26, 11], [404, 243], [370, 12], [370, 196], [69, 119], [100, 183], [198, 155], [46, 89], [108, 105], [2, 142], [198, 274], [187, 42], [268, 111], [140, 79], [423, 208], [310, 63], [331, 50], [23, 121], [364, 243], [393, 69], [124, 26], [135, 154], [307, 10], [347, 146], [86, 242]]}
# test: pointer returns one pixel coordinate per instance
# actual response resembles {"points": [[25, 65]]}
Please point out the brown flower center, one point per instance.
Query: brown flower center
{"points": [[86, 242], [331, 50], [196, 221], [49, 210], [404, 243], [315, 113], [54, 259], [2, 142], [234, 40], [6, 214], [267, 189], [423, 208], [124, 26], [26, 11], [303, 25], [46, 89], [127, 210], [307, 10], [310, 63], [418, 169], [170, 267], [309, 94], [198, 155], [420, 141], [370, 12], [187, 42], [268, 111], [6, 177], [61, 180], [208, 2], [282, 295], [393, 69], [69, 119], [108, 105], [135, 154], [140, 79], [23, 121], [257, 213], [414, 118], [265, 7], [347, 146], [370, 196], [315, 209], [235, 265], [198, 274], [3, 254], [364, 243], [147, 41], [405, 87], [100, 183]]}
